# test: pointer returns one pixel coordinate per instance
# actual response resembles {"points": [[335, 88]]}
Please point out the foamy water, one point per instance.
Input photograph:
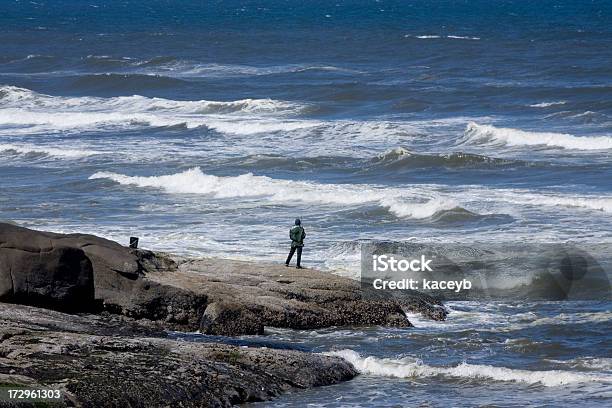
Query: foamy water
{"points": [[409, 368], [476, 133]]}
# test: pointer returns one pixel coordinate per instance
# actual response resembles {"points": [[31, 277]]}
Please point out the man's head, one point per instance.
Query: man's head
{"points": [[298, 221]]}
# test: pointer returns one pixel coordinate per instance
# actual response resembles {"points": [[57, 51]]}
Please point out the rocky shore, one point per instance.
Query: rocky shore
{"points": [[90, 316], [112, 361]]}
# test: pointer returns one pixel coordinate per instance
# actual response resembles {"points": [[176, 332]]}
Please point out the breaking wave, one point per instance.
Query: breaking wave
{"points": [[587, 363], [23, 107], [547, 104], [487, 134], [462, 37], [46, 151], [450, 37], [419, 202], [412, 368], [11, 96], [268, 190], [37, 113]]}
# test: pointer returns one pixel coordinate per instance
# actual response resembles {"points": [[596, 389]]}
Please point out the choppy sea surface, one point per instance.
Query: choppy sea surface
{"points": [[205, 129]]}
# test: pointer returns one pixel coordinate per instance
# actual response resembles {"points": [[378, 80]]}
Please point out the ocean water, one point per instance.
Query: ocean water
{"points": [[206, 128]]}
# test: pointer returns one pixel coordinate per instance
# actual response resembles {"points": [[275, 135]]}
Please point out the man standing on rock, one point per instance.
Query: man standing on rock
{"points": [[297, 235]]}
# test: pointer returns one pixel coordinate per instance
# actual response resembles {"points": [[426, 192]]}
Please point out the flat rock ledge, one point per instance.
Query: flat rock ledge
{"points": [[85, 273], [113, 361]]}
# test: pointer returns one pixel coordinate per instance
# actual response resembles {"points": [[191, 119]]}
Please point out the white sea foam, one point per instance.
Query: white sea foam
{"points": [[530, 198], [49, 151], [547, 104], [251, 127], [419, 202], [599, 204], [394, 153], [487, 134], [413, 368], [14, 97], [462, 37], [574, 318], [38, 112], [400, 202], [567, 319], [186, 68], [420, 321], [589, 363], [418, 210], [23, 111]]}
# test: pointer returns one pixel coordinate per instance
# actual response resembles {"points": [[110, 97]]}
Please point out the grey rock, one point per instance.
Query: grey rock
{"points": [[80, 272], [216, 296], [57, 277], [140, 368]]}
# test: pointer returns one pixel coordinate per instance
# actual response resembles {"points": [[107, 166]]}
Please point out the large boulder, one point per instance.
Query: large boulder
{"points": [[80, 272], [56, 277], [63, 268]]}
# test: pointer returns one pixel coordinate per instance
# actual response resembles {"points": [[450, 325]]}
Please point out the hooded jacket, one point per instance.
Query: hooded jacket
{"points": [[297, 235]]}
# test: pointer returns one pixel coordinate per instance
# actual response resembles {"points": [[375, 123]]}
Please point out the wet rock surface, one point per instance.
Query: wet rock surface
{"points": [[244, 297], [113, 361]]}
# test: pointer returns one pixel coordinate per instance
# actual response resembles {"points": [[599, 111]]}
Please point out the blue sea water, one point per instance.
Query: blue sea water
{"points": [[205, 128]]}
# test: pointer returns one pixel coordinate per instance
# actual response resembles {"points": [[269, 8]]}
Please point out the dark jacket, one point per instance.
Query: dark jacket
{"points": [[297, 235]]}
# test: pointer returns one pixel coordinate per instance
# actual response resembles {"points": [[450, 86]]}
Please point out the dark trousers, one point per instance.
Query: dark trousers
{"points": [[299, 255]]}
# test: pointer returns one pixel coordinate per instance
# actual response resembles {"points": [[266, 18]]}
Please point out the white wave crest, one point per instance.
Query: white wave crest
{"points": [[418, 210], [23, 107], [462, 37], [599, 204], [589, 363], [191, 69], [547, 104], [574, 318], [409, 368], [487, 134], [48, 151], [266, 189], [15, 97], [394, 154], [525, 197]]}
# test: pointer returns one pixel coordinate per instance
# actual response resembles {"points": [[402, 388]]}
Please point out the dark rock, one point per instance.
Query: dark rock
{"points": [[179, 308], [80, 272], [225, 318], [56, 277], [50, 349]]}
